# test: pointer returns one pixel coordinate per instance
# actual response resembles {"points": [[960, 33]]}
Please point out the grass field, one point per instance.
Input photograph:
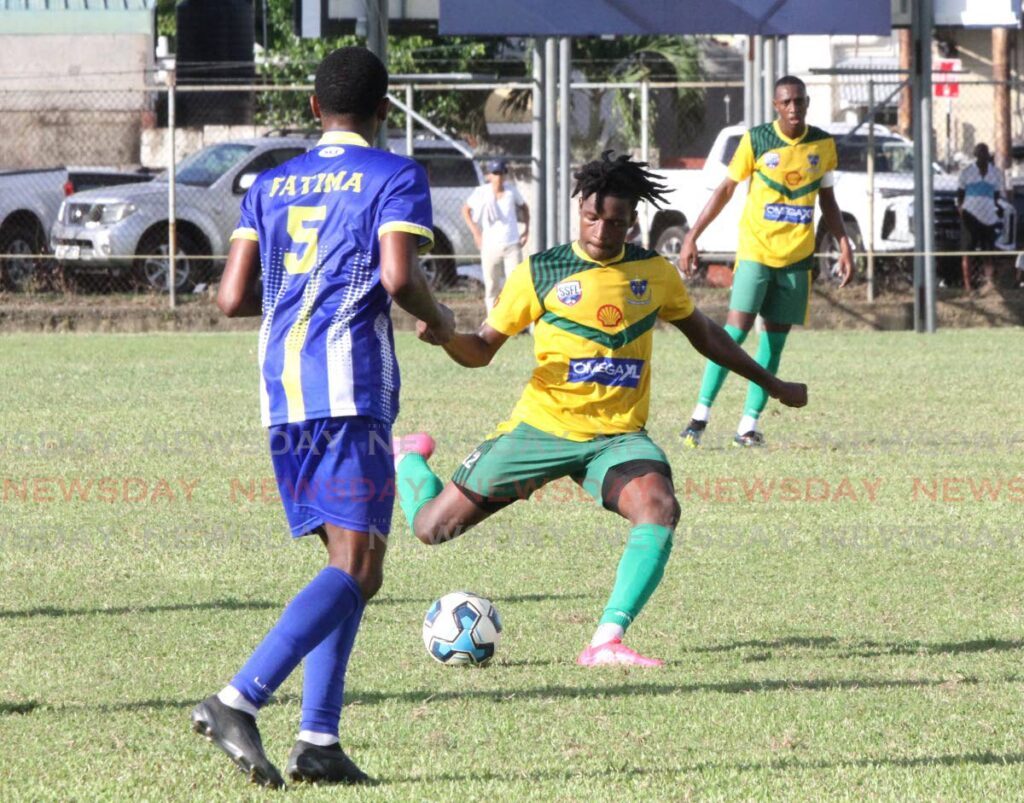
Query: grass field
{"points": [[854, 630]]}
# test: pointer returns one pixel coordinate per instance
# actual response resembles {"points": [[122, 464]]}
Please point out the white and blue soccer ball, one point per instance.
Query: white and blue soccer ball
{"points": [[462, 629]]}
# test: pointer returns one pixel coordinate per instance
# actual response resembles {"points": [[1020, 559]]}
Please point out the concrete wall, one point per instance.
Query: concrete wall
{"points": [[73, 99]]}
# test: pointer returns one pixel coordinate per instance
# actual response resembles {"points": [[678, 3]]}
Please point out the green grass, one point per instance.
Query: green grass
{"points": [[845, 648]]}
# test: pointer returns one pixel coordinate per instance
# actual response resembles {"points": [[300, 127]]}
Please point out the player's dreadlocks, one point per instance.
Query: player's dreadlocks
{"points": [[620, 177]]}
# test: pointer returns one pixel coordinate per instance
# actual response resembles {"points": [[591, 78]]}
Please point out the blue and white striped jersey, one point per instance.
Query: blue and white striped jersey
{"points": [[326, 347]]}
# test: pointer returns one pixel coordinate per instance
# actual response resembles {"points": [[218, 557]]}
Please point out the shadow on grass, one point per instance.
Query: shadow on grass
{"points": [[220, 604], [644, 690], [498, 598], [569, 774], [869, 649], [23, 707]]}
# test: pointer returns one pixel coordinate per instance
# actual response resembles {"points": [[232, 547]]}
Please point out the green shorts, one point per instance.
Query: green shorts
{"points": [[515, 464], [779, 295]]}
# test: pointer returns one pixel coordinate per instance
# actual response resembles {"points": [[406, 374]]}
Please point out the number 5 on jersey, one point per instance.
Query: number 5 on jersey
{"points": [[303, 235]]}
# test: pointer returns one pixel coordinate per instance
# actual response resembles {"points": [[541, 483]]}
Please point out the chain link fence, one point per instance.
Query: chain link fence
{"points": [[85, 203]]}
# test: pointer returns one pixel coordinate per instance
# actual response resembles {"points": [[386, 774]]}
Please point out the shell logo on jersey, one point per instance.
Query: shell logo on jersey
{"points": [[569, 293], [784, 213], [641, 292], [772, 159], [610, 371], [793, 178], [609, 315]]}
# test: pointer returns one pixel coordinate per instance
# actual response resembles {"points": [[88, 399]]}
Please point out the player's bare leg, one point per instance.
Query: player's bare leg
{"points": [[435, 514], [650, 505]]}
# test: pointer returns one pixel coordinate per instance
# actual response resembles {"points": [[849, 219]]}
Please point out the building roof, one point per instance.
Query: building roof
{"points": [[35, 17], [883, 71]]}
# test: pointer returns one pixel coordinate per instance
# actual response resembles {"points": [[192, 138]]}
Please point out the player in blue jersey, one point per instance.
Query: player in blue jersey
{"points": [[336, 233]]}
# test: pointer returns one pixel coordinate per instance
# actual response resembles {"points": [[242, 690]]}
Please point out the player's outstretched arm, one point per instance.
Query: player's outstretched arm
{"points": [[716, 203], [238, 295], [714, 342], [470, 351], [401, 276]]}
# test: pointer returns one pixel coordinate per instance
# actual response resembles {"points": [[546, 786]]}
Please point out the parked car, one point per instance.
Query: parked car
{"points": [[891, 223], [123, 230], [29, 204]]}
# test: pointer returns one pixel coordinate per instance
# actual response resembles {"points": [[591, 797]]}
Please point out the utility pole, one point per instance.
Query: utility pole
{"points": [[377, 43], [906, 108], [1001, 101]]}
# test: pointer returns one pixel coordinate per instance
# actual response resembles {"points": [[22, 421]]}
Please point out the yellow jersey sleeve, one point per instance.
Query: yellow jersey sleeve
{"points": [[742, 165], [831, 158], [677, 304], [517, 305]]}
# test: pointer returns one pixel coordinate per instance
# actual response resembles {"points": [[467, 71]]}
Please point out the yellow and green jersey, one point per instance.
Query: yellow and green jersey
{"points": [[777, 227], [592, 338]]}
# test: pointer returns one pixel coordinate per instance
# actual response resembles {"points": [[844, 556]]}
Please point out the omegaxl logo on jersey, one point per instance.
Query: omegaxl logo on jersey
{"points": [[612, 371]]}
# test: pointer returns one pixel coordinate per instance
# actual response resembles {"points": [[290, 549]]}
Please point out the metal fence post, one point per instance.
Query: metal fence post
{"points": [[758, 105], [871, 190], [408, 120], [564, 134], [768, 93], [172, 214], [537, 150], [550, 142], [645, 154]]}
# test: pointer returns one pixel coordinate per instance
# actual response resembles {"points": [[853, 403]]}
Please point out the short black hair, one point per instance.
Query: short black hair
{"points": [[351, 80], [789, 80], [618, 176]]}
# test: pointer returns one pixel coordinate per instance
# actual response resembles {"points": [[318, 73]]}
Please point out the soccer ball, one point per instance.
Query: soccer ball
{"points": [[462, 629]]}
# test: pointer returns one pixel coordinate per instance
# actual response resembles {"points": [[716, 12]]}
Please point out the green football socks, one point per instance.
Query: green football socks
{"points": [[715, 374], [769, 354], [416, 485], [640, 570]]}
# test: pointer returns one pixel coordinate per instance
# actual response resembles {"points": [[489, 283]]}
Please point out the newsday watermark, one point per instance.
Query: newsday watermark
{"points": [[184, 442], [34, 538], [811, 489]]}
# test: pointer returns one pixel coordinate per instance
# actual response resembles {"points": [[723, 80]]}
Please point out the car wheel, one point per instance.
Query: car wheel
{"points": [[25, 244], [826, 266], [670, 242], [439, 266], [153, 266]]}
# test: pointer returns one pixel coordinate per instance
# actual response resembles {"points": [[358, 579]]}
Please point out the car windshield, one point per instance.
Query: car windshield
{"points": [[203, 168], [891, 155]]}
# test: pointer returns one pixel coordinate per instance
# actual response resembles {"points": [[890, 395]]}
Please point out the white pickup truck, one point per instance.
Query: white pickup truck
{"points": [[891, 223]]}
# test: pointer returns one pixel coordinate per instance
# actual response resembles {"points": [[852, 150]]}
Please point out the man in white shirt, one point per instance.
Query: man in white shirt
{"points": [[492, 213], [977, 201]]}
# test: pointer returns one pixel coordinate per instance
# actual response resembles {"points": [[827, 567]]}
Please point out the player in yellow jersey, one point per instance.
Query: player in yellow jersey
{"points": [[594, 304], [789, 164]]}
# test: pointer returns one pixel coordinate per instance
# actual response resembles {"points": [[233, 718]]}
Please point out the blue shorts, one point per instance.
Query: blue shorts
{"points": [[335, 471]]}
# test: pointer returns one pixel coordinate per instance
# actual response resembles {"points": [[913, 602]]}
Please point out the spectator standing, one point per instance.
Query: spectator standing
{"points": [[977, 201], [493, 212]]}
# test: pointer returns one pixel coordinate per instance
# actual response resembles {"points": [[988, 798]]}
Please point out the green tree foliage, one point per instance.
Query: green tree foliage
{"points": [[637, 58]]}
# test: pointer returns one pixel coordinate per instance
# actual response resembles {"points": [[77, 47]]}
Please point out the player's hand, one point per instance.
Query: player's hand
{"points": [[845, 261], [441, 332], [479, 240], [524, 238], [791, 394], [688, 256]]}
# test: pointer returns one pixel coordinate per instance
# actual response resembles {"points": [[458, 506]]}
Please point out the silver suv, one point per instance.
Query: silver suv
{"points": [[123, 230]]}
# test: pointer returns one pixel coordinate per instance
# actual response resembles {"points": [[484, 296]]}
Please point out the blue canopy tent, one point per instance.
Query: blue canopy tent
{"points": [[622, 17], [548, 19]]}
